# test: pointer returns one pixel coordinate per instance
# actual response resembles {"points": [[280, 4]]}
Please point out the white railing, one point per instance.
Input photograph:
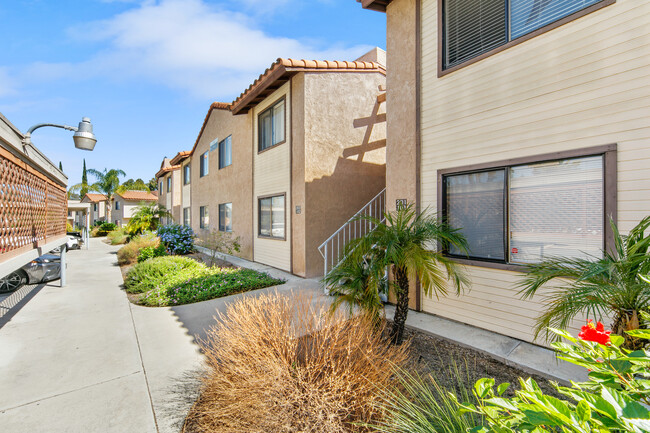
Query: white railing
{"points": [[332, 249]]}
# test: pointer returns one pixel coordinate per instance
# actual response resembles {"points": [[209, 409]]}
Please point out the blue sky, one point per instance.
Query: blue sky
{"points": [[146, 71]]}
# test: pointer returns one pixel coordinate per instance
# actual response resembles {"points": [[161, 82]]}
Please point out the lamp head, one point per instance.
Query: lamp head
{"points": [[84, 138]]}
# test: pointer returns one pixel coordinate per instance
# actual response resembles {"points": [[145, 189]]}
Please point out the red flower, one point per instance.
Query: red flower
{"points": [[597, 333]]}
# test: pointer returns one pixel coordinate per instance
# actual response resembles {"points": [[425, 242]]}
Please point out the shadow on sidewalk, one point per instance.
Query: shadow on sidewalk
{"points": [[17, 300]]}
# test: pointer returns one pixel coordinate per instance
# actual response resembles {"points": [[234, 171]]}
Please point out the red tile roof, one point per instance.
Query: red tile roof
{"points": [[283, 69], [180, 156], [166, 170], [138, 196], [94, 198]]}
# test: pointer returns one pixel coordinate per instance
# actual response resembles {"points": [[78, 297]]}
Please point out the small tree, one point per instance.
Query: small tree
{"points": [[146, 217], [219, 242], [404, 243], [84, 181], [598, 286]]}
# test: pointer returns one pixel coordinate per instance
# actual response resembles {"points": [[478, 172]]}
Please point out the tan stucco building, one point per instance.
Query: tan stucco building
{"points": [[97, 206], [126, 203], [530, 138], [291, 159], [170, 189]]}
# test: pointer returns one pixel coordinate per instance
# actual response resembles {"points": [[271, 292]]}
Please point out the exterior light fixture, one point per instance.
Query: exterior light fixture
{"points": [[83, 137]]}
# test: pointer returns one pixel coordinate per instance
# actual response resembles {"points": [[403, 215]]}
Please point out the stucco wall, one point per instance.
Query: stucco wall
{"points": [[298, 223], [580, 85], [232, 184], [272, 174], [345, 153]]}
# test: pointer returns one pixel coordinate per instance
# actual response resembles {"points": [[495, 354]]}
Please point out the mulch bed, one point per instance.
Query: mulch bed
{"points": [[436, 356]]}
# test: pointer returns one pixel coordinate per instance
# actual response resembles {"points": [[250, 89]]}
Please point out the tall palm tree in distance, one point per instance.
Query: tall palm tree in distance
{"points": [[108, 181]]}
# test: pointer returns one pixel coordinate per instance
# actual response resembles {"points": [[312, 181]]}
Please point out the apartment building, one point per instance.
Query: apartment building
{"points": [[524, 123], [290, 160], [97, 206], [169, 190], [125, 204]]}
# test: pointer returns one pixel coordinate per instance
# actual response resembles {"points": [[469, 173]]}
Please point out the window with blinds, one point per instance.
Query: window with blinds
{"points": [[271, 127], [474, 27], [225, 217], [525, 214], [225, 152]]}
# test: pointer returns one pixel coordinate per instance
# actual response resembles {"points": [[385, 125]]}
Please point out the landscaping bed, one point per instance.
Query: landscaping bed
{"points": [[177, 280]]}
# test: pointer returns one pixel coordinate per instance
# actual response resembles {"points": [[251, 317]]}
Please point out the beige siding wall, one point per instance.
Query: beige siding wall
{"points": [[232, 184], [583, 84], [345, 151], [272, 174]]}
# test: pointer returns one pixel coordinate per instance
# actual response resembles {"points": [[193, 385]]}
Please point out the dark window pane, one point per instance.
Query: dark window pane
{"points": [[475, 204], [472, 27]]}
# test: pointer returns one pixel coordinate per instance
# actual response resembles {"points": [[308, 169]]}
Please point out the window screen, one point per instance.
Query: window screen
{"points": [[473, 27], [271, 217], [271, 126], [204, 164], [186, 174], [225, 217], [186, 216], [529, 15], [204, 217], [225, 152], [556, 210], [475, 205]]}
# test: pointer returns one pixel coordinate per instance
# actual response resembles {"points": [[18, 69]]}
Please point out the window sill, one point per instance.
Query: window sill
{"points": [[272, 238], [486, 264], [271, 147]]}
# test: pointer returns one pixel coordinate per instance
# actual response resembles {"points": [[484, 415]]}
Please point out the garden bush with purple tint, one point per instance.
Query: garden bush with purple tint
{"points": [[178, 239], [189, 286]]}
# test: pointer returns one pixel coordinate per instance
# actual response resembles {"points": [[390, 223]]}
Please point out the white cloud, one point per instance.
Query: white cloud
{"points": [[189, 45]]}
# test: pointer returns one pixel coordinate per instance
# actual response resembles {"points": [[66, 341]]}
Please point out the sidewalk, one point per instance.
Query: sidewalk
{"points": [[74, 360]]}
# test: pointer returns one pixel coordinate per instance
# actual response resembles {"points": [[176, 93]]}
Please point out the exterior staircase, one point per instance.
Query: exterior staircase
{"points": [[332, 249]]}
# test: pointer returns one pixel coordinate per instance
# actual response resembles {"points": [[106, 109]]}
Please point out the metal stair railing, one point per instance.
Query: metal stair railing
{"points": [[354, 228]]}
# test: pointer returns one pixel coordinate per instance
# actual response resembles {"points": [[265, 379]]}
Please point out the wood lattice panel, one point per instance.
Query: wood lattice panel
{"points": [[32, 209]]}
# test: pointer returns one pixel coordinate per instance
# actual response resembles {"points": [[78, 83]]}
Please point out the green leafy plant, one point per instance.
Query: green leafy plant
{"points": [[146, 218], [149, 274], [147, 253], [107, 183], [358, 283], [219, 242], [128, 254], [404, 243], [118, 236], [208, 283], [611, 401], [105, 229], [597, 287]]}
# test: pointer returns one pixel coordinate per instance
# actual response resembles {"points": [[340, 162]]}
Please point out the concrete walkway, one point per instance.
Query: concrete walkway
{"points": [[82, 358]]}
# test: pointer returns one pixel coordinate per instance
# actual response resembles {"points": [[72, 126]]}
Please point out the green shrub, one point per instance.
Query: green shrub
{"points": [[615, 399], [152, 273], [118, 237], [128, 254], [191, 286], [147, 253], [105, 229]]}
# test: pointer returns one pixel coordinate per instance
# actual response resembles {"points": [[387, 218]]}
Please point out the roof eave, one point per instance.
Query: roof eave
{"points": [[375, 5]]}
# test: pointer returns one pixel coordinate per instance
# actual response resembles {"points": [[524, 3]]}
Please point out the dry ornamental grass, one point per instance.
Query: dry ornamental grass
{"points": [[283, 364]]}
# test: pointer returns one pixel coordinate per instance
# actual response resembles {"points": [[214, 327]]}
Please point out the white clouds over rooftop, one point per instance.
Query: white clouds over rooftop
{"points": [[192, 46]]}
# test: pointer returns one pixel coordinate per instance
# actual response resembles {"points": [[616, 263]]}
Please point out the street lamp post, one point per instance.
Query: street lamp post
{"points": [[84, 139]]}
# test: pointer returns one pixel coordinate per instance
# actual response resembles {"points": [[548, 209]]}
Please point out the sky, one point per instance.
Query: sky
{"points": [[146, 71]]}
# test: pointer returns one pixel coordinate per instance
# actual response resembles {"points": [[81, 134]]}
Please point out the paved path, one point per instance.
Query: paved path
{"points": [[82, 358]]}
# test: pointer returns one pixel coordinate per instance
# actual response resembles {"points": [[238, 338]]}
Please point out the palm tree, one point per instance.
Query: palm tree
{"points": [[146, 217], [107, 183], [404, 243], [610, 285]]}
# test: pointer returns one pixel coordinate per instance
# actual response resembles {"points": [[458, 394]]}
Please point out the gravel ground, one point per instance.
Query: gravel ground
{"points": [[435, 356]]}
